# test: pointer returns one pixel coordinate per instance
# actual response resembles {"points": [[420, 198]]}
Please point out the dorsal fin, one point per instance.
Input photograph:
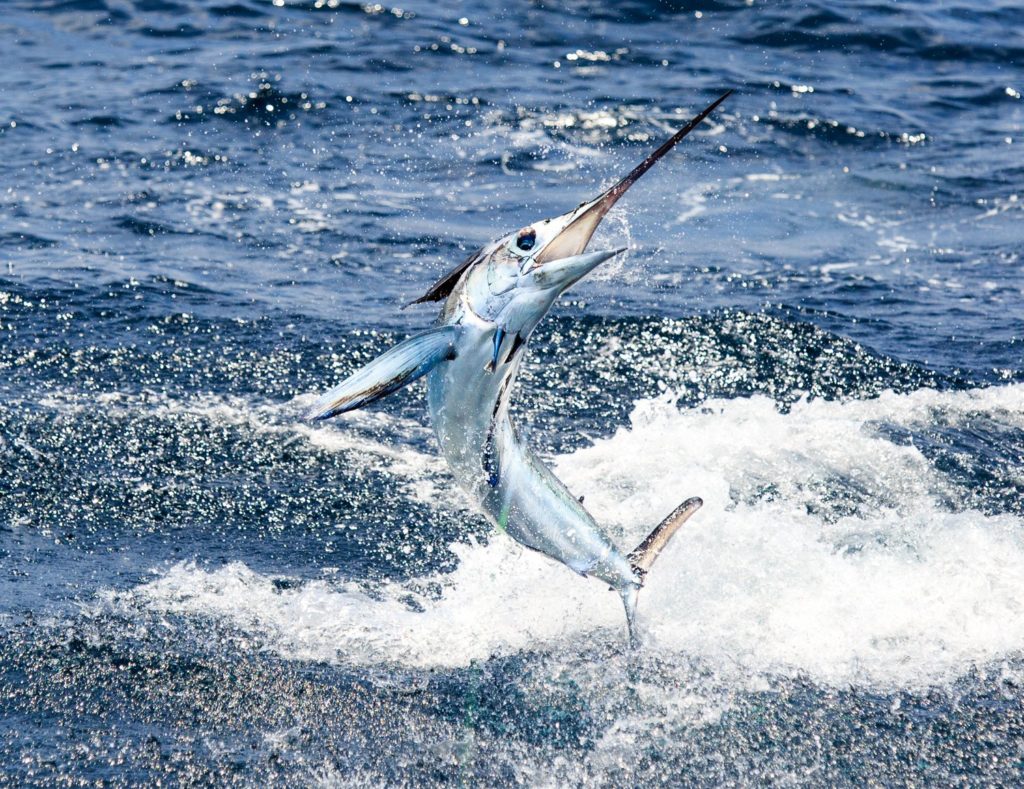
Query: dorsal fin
{"points": [[444, 286]]}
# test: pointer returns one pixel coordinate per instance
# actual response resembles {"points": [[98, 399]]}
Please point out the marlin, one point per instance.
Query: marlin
{"points": [[493, 301]]}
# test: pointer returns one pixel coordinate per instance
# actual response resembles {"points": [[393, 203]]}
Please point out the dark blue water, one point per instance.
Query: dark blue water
{"points": [[211, 211]]}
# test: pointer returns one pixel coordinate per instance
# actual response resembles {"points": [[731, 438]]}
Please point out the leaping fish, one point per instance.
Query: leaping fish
{"points": [[493, 300]]}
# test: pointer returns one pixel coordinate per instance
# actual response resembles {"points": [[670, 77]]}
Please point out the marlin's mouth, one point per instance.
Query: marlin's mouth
{"points": [[577, 228], [582, 222]]}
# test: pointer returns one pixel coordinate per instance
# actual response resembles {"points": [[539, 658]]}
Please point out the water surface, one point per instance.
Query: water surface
{"points": [[212, 211]]}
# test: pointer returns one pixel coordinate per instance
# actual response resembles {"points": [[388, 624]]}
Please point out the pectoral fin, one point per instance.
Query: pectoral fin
{"points": [[499, 336], [388, 373]]}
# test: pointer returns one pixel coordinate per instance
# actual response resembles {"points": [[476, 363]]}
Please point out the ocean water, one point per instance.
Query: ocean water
{"points": [[211, 212]]}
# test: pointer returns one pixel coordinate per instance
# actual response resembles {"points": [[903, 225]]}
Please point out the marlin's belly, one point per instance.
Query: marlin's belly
{"points": [[513, 487]]}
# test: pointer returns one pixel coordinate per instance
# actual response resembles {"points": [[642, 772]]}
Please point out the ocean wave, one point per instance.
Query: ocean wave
{"points": [[896, 590]]}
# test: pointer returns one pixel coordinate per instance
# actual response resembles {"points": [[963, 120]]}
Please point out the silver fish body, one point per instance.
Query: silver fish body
{"points": [[511, 484], [492, 302]]}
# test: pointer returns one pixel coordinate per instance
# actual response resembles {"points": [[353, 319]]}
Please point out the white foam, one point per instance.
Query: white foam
{"points": [[905, 593]]}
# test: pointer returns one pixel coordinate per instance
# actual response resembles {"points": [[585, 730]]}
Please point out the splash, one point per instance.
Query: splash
{"points": [[825, 550]]}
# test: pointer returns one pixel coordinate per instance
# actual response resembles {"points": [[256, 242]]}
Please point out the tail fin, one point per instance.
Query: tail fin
{"points": [[629, 594], [643, 556]]}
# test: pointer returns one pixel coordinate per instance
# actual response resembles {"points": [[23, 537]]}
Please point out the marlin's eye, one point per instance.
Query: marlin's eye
{"points": [[526, 239]]}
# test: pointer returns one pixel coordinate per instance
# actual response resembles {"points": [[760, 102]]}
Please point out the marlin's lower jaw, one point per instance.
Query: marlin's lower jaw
{"points": [[563, 273]]}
